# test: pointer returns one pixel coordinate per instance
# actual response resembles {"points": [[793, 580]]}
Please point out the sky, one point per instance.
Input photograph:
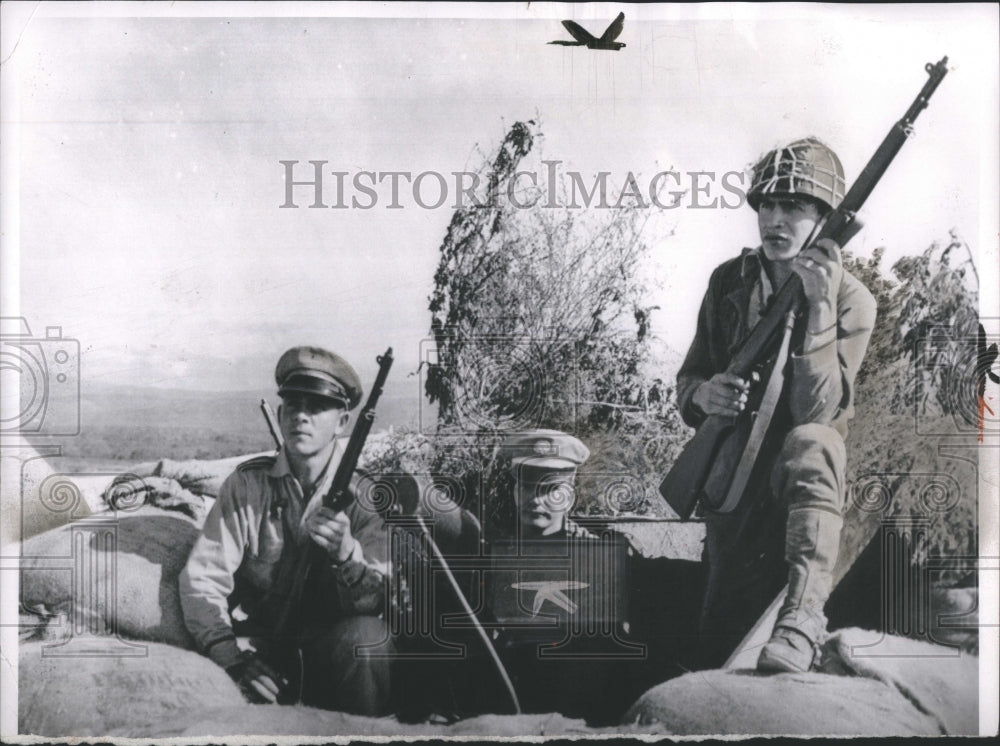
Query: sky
{"points": [[142, 148]]}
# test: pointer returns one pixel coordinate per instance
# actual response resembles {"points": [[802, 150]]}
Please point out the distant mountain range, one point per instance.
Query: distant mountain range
{"points": [[134, 423], [143, 423], [218, 411]]}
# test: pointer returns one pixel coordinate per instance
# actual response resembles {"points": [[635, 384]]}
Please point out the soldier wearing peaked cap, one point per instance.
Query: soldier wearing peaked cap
{"points": [[313, 370], [543, 465], [787, 529], [244, 556], [570, 582], [549, 583]]}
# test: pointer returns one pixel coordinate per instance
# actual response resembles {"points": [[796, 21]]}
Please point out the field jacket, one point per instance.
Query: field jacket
{"points": [[242, 556], [822, 369]]}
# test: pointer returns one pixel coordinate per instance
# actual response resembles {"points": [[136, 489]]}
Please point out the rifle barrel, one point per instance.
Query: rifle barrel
{"points": [[894, 140], [338, 495], [684, 483], [840, 223], [272, 422]]}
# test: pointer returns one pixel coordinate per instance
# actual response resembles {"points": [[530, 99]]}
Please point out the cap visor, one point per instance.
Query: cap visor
{"points": [[315, 387], [542, 467]]}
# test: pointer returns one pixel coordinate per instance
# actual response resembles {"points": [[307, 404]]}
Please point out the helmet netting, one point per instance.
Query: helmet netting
{"points": [[803, 167]]}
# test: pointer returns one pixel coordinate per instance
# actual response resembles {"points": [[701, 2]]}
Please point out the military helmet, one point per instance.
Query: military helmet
{"points": [[806, 167]]}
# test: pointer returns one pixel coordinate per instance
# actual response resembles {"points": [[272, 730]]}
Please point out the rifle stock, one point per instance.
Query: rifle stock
{"points": [[683, 484], [716, 449]]}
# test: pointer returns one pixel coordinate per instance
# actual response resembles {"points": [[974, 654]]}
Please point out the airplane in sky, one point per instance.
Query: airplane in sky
{"points": [[586, 39], [551, 590]]}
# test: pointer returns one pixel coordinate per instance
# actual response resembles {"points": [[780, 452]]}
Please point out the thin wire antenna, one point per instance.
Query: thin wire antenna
{"points": [[498, 664]]}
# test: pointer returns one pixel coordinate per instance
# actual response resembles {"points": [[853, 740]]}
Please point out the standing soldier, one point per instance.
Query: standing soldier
{"points": [[793, 188], [267, 510]]}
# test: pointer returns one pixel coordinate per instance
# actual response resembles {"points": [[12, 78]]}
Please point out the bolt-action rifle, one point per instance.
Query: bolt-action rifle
{"points": [[351, 455], [717, 462], [337, 499]]}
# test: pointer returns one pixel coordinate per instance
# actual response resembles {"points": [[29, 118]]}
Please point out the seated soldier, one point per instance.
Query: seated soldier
{"points": [[268, 511], [557, 591], [551, 594], [543, 465]]}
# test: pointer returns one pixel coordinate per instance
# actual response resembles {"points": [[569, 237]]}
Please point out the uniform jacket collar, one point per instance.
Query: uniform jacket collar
{"points": [[281, 467], [739, 293], [751, 266]]}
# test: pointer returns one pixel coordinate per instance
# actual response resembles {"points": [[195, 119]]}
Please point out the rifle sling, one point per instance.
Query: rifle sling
{"points": [[762, 421]]}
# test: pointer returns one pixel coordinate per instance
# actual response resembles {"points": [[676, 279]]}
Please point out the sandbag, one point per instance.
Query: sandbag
{"points": [[277, 720], [198, 476], [188, 486], [93, 696], [940, 682], [126, 575], [955, 618], [128, 491], [513, 726], [741, 702], [895, 694], [35, 496]]}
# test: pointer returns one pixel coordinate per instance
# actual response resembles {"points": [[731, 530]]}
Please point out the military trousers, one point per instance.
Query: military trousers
{"points": [[345, 666], [784, 531]]}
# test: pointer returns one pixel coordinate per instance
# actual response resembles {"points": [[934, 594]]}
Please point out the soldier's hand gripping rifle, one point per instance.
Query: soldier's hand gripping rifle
{"points": [[716, 463], [337, 499]]}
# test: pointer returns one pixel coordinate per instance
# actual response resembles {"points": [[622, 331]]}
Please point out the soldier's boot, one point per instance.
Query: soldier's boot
{"points": [[811, 546], [788, 651], [809, 478]]}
